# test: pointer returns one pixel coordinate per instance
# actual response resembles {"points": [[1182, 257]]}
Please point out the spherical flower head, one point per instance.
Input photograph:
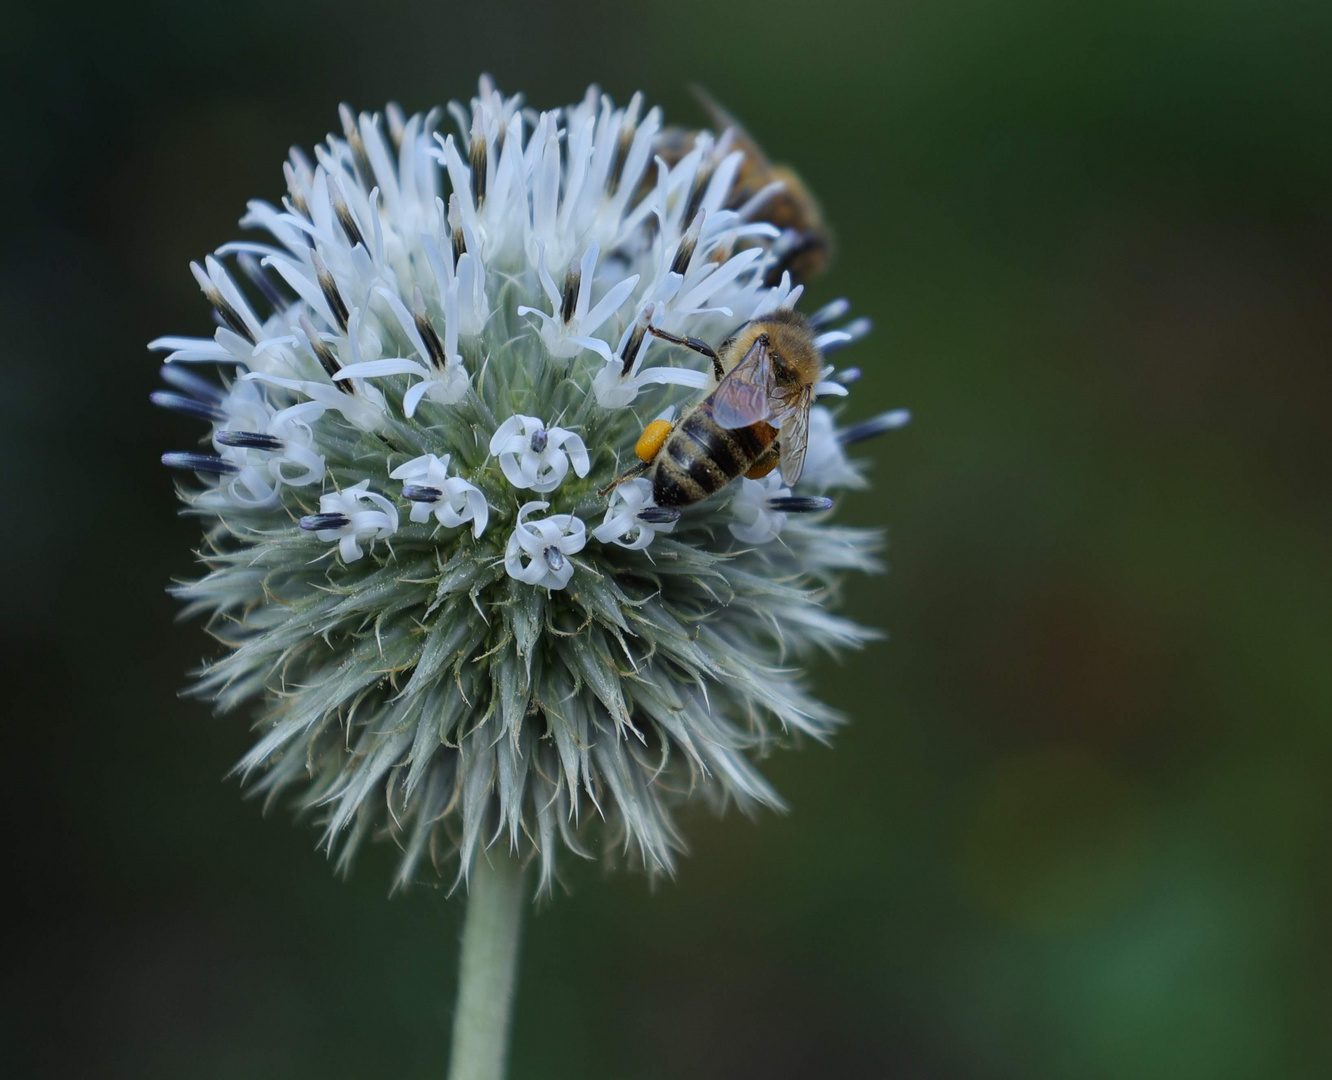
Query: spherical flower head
{"points": [[461, 623]]}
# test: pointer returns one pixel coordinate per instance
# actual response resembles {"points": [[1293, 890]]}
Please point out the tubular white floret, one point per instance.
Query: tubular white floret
{"points": [[361, 524], [451, 499], [624, 524], [756, 522], [535, 456], [571, 321], [537, 552], [618, 383]]}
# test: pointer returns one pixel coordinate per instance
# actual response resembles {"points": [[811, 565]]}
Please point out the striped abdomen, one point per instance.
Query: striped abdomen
{"points": [[699, 457]]}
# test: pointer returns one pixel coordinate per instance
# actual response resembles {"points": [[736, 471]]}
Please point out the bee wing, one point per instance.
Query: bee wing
{"points": [[744, 396], [795, 438]]}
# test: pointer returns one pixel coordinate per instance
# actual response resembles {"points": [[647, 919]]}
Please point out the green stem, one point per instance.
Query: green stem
{"points": [[488, 969]]}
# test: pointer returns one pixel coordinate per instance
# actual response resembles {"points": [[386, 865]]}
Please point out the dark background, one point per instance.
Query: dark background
{"points": [[1080, 824]]}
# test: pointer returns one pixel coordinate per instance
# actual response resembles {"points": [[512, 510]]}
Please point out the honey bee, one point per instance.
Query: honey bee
{"points": [[756, 418], [805, 245]]}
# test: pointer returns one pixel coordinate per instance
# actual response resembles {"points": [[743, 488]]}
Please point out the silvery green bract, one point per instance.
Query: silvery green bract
{"points": [[429, 367]]}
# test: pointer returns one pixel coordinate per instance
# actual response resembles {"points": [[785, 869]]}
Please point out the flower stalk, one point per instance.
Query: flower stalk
{"points": [[488, 968]]}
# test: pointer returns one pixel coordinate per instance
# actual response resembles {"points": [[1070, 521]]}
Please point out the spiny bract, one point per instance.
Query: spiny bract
{"points": [[453, 638]]}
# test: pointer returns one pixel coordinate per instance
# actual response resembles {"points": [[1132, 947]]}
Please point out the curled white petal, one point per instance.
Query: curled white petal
{"points": [[536, 457], [755, 521], [378, 522], [537, 551], [463, 502], [622, 525], [460, 502]]}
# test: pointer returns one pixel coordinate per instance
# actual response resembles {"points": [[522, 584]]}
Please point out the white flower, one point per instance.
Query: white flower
{"points": [[622, 525], [456, 691], [546, 545], [241, 339], [445, 381], [565, 337], [617, 384], [756, 522], [497, 123], [361, 404], [826, 463], [461, 286], [534, 456], [227, 299], [342, 518], [365, 411], [269, 447], [432, 490]]}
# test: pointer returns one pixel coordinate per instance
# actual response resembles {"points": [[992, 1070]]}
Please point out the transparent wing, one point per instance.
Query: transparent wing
{"points": [[795, 438], [744, 396]]}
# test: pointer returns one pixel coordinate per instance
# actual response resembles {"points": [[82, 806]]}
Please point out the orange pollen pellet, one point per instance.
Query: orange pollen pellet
{"points": [[651, 440]]}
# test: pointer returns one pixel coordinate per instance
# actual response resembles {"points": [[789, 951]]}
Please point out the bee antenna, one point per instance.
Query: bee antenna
{"points": [[716, 113], [706, 100]]}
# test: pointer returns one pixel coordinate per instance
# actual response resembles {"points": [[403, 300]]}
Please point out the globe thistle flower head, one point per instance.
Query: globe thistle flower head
{"points": [[426, 379]]}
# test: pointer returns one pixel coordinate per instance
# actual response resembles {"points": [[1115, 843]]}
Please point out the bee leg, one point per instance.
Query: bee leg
{"points": [[628, 474], [695, 344], [766, 462], [649, 443]]}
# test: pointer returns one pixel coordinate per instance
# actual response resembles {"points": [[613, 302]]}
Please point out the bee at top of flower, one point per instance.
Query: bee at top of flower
{"points": [[577, 304]]}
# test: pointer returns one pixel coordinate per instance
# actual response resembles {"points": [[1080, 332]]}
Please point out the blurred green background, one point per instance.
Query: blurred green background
{"points": [[1080, 824]]}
